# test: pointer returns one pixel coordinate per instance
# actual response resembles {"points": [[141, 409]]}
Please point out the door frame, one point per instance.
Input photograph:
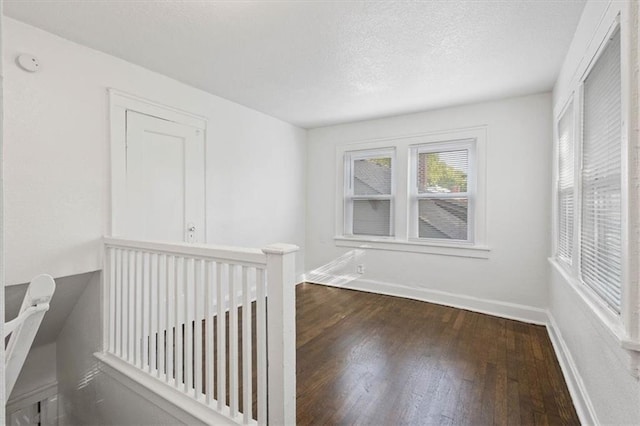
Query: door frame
{"points": [[119, 103]]}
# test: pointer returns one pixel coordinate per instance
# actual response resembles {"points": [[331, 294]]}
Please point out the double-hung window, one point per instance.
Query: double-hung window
{"points": [[369, 193], [589, 197], [596, 200], [565, 186], [422, 193], [601, 207], [442, 191]]}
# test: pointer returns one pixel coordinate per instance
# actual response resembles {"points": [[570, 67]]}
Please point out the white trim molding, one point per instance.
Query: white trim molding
{"points": [[119, 104], [18, 402], [458, 250], [577, 389]]}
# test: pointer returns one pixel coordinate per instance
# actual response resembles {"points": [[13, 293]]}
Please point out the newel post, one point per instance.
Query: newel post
{"points": [[281, 333]]}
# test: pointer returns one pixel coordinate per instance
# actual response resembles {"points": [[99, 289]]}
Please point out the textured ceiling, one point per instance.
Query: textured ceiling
{"points": [[315, 63]]}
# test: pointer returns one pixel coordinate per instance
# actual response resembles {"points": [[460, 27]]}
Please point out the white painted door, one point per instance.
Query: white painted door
{"points": [[165, 179]]}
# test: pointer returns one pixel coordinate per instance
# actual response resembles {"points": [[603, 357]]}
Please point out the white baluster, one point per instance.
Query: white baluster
{"points": [[222, 374], [114, 279], [209, 287], [125, 301], [131, 319], [107, 298], [188, 309], [144, 310], [162, 285], [179, 333], [120, 302], [137, 311], [152, 329], [197, 328], [261, 344], [233, 341], [171, 264], [246, 347]]}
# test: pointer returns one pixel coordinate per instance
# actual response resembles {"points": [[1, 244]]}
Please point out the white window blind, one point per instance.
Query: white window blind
{"points": [[442, 195], [565, 185], [601, 227], [369, 193]]}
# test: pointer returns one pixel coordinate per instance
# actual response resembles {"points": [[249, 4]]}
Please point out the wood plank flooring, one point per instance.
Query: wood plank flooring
{"points": [[370, 359]]}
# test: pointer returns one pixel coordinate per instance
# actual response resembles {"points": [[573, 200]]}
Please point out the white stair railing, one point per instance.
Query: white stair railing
{"points": [[197, 318], [24, 327]]}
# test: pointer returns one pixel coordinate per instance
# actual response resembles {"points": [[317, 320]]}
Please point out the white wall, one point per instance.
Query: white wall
{"points": [[57, 158], [518, 178], [604, 388], [37, 382], [38, 372]]}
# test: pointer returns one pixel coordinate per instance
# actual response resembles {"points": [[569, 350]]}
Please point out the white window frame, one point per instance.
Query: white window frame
{"points": [[602, 304], [575, 100], [477, 247], [468, 145], [625, 326], [350, 158]]}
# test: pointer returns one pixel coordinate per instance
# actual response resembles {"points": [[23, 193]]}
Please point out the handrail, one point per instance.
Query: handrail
{"points": [[10, 326], [248, 256], [168, 305], [24, 327]]}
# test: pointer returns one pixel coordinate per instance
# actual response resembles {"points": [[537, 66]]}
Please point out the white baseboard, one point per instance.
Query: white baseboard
{"points": [[496, 308], [572, 376]]}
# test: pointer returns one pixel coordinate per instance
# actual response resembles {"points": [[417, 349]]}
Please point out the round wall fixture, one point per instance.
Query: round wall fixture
{"points": [[28, 62]]}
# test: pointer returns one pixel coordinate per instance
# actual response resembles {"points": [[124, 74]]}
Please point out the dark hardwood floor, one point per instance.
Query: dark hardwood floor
{"points": [[370, 359]]}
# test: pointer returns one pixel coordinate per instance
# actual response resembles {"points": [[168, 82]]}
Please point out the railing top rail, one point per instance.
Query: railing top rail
{"points": [[205, 251]]}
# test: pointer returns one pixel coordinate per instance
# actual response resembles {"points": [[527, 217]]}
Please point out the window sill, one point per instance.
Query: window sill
{"points": [[443, 249], [609, 319]]}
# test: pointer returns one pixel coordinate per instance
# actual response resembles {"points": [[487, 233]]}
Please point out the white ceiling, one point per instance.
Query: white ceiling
{"points": [[315, 63]]}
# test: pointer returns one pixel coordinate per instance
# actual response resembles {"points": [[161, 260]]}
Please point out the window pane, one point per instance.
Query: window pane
{"points": [[444, 218], [565, 225], [372, 217], [443, 172], [601, 249], [565, 185], [372, 176]]}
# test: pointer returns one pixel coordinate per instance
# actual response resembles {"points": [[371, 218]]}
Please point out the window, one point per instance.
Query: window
{"points": [[369, 191], [422, 193], [601, 209], [601, 98], [565, 188], [441, 191]]}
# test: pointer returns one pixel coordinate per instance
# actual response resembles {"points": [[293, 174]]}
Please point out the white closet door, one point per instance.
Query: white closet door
{"points": [[165, 178]]}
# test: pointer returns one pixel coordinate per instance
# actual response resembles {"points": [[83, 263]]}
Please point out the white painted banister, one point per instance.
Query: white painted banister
{"points": [[24, 327], [238, 255], [281, 322], [194, 317]]}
